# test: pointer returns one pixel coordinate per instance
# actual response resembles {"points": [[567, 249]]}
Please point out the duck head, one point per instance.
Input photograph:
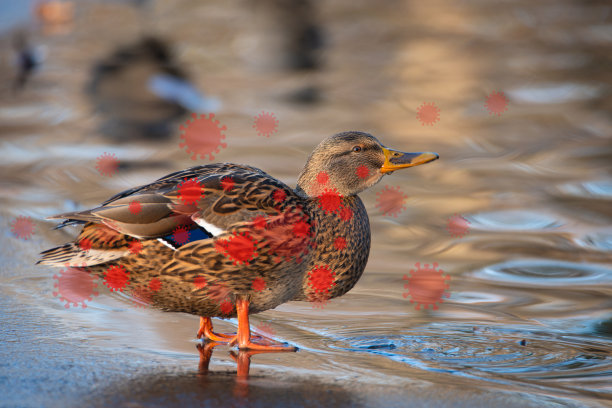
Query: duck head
{"points": [[351, 162]]}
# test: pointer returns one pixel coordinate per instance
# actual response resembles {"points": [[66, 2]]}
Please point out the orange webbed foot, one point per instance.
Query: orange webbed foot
{"points": [[206, 330]]}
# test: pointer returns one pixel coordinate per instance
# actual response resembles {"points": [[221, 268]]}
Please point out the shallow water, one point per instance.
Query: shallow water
{"points": [[516, 213]]}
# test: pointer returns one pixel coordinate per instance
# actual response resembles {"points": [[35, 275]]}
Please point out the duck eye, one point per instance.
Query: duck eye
{"points": [[357, 148]]}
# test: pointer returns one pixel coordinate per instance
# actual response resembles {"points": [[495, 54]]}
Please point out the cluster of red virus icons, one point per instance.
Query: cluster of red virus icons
{"points": [[428, 113], [203, 136]]}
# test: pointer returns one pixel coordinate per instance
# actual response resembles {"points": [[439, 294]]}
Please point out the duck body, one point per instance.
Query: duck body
{"points": [[227, 240]]}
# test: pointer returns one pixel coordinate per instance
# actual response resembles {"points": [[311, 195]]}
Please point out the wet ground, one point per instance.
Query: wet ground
{"points": [[517, 212]]}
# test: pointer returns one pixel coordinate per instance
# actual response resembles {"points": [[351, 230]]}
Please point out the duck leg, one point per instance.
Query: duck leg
{"points": [[243, 338], [206, 330]]}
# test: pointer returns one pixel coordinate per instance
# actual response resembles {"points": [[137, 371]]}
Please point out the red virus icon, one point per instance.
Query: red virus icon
{"points": [[321, 279], [22, 227], [301, 228], [107, 164], [496, 103], [340, 243], [227, 183], [199, 282], [258, 284], [202, 136], [85, 244], [135, 207], [260, 222], [330, 200], [218, 292], [428, 114], [265, 329], [279, 196], [391, 201], [75, 287], [426, 286], [322, 178], [239, 247], [346, 214], [141, 296], [362, 172], [190, 191], [155, 285], [226, 307], [318, 300], [180, 235], [265, 124], [135, 247], [116, 278], [457, 226]]}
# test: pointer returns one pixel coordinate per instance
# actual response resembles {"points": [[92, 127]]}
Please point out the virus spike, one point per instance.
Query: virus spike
{"points": [[22, 227], [135, 207], [265, 124], [258, 284], [265, 329], [116, 278], [240, 248], [227, 183], [330, 201], [457, 226], [141, 296], [190, 191], [75, 287], [322, 178], [226, 307], [202, 136], [181, 235], [321, 279], [496, 103], [362, 172], [279, 196], [199, 282], [426, 286], [346, 214], [340, 243], [155, 285], [260, 222], [391, 201], [107, 164], [135, 247], [85, 244], [428, 113]]}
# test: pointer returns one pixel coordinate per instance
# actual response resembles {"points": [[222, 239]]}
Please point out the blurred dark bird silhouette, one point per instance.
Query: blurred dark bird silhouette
{"points": [[29, 59], [141, 89]]}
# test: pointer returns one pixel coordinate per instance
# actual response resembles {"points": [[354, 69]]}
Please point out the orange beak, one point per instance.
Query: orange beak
{"points": [[396, 160]]}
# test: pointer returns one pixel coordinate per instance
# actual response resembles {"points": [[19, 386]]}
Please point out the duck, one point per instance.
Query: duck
{"points": [[226, 240]]}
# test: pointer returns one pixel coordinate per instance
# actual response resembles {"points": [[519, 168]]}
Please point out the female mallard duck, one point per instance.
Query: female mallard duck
{"points": [[227, 240]]}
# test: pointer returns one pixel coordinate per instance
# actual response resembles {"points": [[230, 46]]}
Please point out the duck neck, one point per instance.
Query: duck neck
{"points": [[342, 245]]}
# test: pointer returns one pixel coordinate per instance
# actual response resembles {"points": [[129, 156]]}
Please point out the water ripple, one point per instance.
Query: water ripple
{"points": [[513, 220], [546, 273], [484, 351]]}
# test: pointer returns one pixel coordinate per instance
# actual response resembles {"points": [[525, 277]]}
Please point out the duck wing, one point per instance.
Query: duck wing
{"points": [[214, 196], [212, 200]]}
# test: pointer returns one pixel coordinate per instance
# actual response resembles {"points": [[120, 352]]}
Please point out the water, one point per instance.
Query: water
{"points": [[516, 213]]}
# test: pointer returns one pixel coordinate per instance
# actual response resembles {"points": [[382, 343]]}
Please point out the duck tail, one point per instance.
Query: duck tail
{"points": [[72, 255], [96, 244]]}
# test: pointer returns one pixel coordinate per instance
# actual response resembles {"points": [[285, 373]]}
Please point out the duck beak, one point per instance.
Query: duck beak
{"points": [[395, 160]]}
